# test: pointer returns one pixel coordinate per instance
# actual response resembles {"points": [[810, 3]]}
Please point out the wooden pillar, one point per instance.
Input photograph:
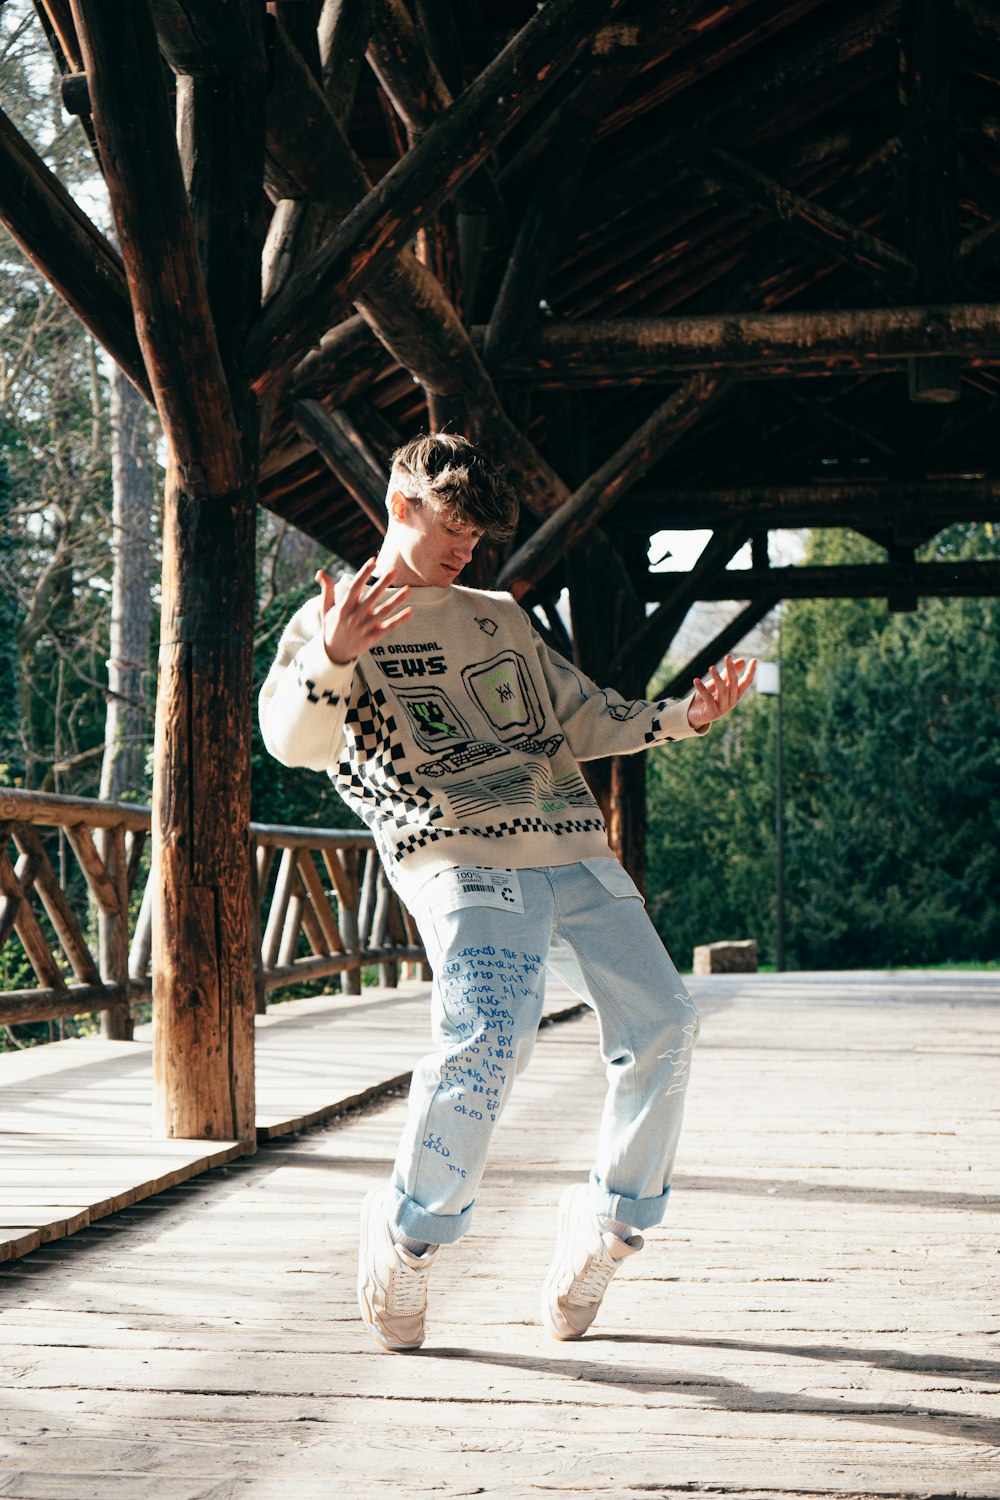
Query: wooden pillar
{"points": [[190, 247], [204, 991]]}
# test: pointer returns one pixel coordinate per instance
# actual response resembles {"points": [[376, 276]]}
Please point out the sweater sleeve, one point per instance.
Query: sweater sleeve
{"points": [[598, 721], [303, 703]]}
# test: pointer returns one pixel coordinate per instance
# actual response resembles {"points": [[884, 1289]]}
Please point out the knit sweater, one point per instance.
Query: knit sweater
{"points": [[457, 739]]}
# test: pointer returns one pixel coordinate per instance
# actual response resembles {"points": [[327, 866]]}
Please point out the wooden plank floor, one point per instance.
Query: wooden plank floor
{"points": [[75, 1122], [817, 1316]]}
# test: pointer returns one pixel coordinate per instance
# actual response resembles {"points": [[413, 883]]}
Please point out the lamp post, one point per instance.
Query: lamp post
{"points": [[769, 683]]}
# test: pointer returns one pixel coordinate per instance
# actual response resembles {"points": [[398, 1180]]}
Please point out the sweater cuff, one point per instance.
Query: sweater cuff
{"points": [[318, 676], [673, 721]]}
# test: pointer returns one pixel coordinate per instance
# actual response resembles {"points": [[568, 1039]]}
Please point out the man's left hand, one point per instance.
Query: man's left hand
{"points": [[720, 693]]}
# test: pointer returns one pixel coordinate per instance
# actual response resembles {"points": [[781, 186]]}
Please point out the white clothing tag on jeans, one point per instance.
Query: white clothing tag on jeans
{"points": [[613, 876], [466, 885]]}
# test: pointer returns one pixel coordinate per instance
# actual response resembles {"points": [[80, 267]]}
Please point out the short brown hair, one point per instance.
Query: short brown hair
{"points": [[451, 475]]}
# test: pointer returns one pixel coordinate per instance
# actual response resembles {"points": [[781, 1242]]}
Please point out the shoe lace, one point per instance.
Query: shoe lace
{"points": [[592, 1282], [406, 1294]]}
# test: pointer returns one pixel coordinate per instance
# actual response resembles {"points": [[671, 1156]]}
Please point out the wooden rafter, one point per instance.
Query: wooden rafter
{"points": [[631, 350], [847, 581], [70, 251], [651, 641], [155, 229], [343, 448], [829, 504], [875, 258], [609, 484], [412, 191]]}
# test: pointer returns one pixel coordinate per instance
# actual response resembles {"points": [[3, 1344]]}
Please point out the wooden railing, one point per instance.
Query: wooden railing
{"points": [[343, 909]]}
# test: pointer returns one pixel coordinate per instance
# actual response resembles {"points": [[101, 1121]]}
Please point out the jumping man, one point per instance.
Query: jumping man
{"points": [[455, 733]]}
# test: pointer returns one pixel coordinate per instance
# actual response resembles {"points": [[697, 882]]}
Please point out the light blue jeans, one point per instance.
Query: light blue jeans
{"points": [[489, 936]]}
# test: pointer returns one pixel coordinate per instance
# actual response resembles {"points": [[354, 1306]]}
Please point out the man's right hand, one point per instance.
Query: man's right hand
{"points": [[357, 623]]}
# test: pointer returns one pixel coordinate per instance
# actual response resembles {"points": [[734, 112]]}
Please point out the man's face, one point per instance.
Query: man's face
{"points": [[431, 548]]}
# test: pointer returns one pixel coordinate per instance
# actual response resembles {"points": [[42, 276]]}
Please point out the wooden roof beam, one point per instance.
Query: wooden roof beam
{"points": [[834, 503], [203, 39], [929, 176], [626, 350], [978, 250], [404, 304], [952, 580], [418, 93], [873, 257], [343, 31], [70, 251], [648, 645], [173, 318], [609, 484], [343, 449], [412, 191], [760, 104]]}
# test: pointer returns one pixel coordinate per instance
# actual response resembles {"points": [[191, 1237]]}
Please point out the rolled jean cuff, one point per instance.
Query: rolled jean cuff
{"points": [[419, 1223], [638, 1213]]}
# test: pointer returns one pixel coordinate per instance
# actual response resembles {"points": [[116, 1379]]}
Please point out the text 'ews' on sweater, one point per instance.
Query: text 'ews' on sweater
{"points": [[457, 739]]}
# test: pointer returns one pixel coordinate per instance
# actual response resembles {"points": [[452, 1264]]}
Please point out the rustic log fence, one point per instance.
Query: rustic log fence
{"points": [[342, 909]]}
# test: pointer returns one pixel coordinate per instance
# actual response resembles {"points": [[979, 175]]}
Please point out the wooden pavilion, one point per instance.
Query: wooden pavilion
{"points": [[681, 264]]}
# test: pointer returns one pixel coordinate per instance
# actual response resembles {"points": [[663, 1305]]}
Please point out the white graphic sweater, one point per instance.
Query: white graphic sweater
{"points": [[457, 739]]}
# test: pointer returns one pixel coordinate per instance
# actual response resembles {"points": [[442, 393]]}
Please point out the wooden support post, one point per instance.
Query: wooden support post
{"points": [[204, 991], [112, 933], [348, 918], [343, 31]]}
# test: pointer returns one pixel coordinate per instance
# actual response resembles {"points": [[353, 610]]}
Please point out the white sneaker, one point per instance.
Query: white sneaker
{"points": [[392, 1283], [584, 1262]]}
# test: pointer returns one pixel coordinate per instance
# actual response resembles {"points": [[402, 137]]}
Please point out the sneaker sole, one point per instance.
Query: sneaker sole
{"points": [[364, 1299]]}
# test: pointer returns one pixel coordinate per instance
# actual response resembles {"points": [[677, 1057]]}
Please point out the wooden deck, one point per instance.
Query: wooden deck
{"points": [[818, 1315], [75, 1140]]}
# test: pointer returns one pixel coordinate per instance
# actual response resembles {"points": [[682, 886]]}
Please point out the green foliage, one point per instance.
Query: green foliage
{"points": [[892, 778]]}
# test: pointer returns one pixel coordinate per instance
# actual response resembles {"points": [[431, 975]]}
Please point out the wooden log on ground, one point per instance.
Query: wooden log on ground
{"points": [[726, 958]]}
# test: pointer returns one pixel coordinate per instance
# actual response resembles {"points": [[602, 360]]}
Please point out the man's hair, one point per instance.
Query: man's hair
{"points": [[450, 475]]}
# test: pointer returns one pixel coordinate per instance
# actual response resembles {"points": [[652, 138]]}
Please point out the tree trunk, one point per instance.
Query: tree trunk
{"points": [[123, 767]]}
